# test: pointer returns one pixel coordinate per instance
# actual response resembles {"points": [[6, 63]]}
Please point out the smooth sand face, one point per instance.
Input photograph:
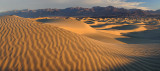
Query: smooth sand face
{"points": [[69, 24], [79, 27], [27, 45]]}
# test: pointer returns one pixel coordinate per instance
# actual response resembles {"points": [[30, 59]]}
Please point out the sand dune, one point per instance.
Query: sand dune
{"points": [[130, 31], [79, 27], [69, 24], [148, 34], [27, 45], [107, 30], [123, 29]]}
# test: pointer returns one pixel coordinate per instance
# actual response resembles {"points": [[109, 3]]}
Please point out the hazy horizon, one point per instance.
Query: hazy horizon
{"points": [[7, 5]]}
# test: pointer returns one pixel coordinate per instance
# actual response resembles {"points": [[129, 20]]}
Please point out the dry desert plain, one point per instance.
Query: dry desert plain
{"points": [[79, 44]]}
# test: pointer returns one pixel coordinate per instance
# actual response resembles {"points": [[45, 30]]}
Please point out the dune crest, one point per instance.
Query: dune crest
{"points": [[69, 24], [27, 45], [78, 27]]}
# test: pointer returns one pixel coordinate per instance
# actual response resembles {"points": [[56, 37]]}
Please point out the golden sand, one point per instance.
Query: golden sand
{"points": [[27, 45]]}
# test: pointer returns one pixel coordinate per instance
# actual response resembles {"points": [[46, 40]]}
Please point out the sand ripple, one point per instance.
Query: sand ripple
{"points": [[26, 45]]}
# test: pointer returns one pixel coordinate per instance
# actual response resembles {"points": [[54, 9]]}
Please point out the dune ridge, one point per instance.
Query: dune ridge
{"points": [[79, 27], [70, 24], [27, 45]]}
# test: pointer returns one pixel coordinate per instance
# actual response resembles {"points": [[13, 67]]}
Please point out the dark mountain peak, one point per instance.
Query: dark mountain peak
{"points": [[95, 11], [75, 8], [158, 10], [110, 7]]}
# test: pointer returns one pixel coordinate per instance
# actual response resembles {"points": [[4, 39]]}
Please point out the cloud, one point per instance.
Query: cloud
{"points": [[123, 3], [116, 3], [38, 4]]}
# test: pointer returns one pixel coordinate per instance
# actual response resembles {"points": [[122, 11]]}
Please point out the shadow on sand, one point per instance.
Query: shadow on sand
{"points": [[45, 20], [149, 63], [124, 27], [144, 37]]}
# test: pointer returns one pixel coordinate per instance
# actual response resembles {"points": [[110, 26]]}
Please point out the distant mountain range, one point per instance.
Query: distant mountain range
{"points": [[97, 11]]}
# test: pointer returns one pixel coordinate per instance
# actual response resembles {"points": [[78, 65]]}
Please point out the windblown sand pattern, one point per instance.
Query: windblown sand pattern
{"points": [[78, 27], [26, 45]]}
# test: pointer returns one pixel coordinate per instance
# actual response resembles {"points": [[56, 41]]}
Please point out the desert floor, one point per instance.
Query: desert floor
{"points": [[79, 44]]}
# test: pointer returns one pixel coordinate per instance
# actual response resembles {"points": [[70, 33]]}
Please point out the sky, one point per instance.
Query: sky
{"points": [[6, 5]]}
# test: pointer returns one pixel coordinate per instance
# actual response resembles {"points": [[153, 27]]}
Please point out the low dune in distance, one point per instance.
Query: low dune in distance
{"points": [[130, 31], [80, 27], [28, 45]]}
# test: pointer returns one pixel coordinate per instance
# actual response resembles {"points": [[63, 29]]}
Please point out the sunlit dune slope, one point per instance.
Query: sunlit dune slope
{"points": [[26, 45], [69, 24], [79, 27]]}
